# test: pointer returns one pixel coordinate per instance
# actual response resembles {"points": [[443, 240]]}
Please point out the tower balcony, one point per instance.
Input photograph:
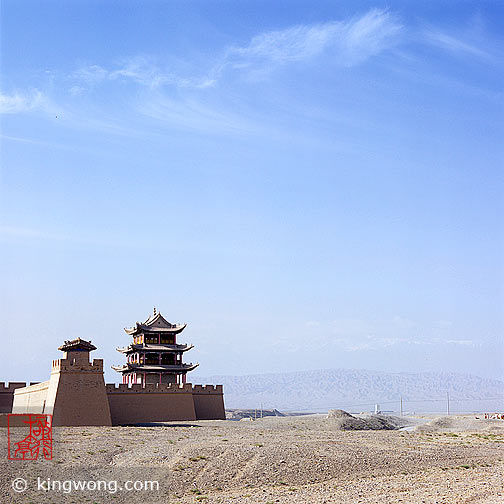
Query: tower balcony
{"points": [[155, 368], [154, 348]]}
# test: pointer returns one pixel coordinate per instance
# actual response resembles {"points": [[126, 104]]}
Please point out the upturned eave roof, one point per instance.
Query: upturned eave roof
{"points": [[155, 323], [154, 348], [77, 344], [154, 367]]}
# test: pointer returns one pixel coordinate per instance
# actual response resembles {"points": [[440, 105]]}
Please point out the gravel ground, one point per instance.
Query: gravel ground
{"points": [[287, 460]]}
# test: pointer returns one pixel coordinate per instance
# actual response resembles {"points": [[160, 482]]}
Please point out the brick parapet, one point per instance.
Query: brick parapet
{"points": [[207, 389], [11, 386], [35, 387], [59, 365], [156, 388], [7, 395]]}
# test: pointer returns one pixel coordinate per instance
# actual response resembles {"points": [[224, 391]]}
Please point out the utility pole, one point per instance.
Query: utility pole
{"points": [[261, 410], [401, 408], [448, 403]]}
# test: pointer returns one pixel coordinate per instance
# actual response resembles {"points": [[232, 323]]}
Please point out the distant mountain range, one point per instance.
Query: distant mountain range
{"points": [[359, 390]]}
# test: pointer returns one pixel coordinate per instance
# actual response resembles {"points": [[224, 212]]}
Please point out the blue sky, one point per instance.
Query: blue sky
{"points": [[307, 184]]}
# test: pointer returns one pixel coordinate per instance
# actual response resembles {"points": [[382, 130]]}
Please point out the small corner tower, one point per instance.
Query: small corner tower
{"points": [[77, 351], [154, 355], [76, 393]]}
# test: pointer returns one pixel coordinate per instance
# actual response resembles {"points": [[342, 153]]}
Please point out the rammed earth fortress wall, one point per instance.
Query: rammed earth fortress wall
{"points": [[74, 394], [164, 402], [77, 397], [208, 402], [32, 399], [7, 395]]}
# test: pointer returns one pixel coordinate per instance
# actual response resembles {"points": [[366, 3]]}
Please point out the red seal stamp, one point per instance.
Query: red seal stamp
{"points": [[29, 436]]}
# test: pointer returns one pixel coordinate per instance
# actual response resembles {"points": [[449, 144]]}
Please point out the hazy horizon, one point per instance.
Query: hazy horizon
{"points": [[308, 186]]}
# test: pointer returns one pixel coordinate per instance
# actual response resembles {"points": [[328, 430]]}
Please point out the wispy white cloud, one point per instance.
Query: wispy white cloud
{"points": [[464, 342], [38, 234], [345, 42], [91, 74], [369, 342], [77, 90], [454, 45], [140, 70], [402, 322], [190, 113], [354, 335], [21, 232], [34, 141], [23, 102]]}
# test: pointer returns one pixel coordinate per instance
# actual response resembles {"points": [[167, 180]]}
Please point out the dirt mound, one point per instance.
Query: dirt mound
{"points": [[345, 421], [462, 423], [240, 414], [338, 413]]}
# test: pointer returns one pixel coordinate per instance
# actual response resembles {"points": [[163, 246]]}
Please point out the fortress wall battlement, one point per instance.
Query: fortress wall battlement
{"points": [[77, 394], [157, 388], [32, 388], [11, 386], [7, 395], [209, 402], [207, 389], [127, 404], [59, 365], [31, 399], [160, 404], [164, 403]]}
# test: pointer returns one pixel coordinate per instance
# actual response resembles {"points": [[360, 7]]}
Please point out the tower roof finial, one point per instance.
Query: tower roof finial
{"points": [[154, 310]]}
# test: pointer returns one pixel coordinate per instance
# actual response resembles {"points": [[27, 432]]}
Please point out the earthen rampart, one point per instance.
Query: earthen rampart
{"points": [[154, 403], [31, 399], [164, 403], [71, 365], [208, 402], [7, 395]]}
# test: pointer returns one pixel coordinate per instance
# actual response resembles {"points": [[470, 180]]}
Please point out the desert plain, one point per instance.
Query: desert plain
{"points": [[297, 459]]}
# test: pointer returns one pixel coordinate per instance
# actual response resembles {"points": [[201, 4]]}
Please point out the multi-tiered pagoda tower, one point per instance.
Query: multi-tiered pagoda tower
{"points": [[154, 356]]}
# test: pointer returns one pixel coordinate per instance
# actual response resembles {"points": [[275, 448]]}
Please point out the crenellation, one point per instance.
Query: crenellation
{"points": [[207, 389], [171, 388], [70, 365], [11, 386], [32, 388], [7, 392], [59, 363], [98, 364]]}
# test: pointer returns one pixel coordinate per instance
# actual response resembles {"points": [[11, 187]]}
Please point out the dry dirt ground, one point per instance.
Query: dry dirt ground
{"points": [[272, 460]]}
